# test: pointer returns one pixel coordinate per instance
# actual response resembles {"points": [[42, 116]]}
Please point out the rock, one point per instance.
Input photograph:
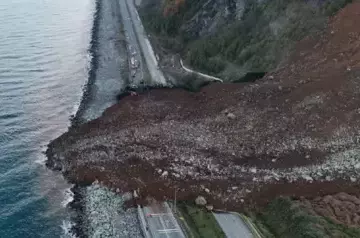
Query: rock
{"points": [[234, 187], [135, 194], [307, 178], [231, 116], [280, 88], [117, 190], [357, 166], [176, 175], [307, 157], [273, 160], [207, 190], [328, 178], [247, 191], [209, 207], [271, 77], [352, 179], [200, 201], [253, 170], [159, 171], [164, 174], [348, 68], [242, 200]]}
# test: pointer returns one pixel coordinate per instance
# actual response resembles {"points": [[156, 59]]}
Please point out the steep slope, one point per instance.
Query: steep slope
{"points": [[230, 38]]}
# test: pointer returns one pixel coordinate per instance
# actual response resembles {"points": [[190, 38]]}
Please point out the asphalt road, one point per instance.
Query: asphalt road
{"points": [[132, 46], [157, 76], [161, 222], [233, 226]]}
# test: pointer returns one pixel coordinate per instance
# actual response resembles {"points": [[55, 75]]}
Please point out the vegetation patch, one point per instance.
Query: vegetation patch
{"points": [[201, 222], [256, 42], [285, 218]]}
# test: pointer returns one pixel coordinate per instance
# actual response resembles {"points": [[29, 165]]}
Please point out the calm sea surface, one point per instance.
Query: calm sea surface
{"points": [[44, 64]]}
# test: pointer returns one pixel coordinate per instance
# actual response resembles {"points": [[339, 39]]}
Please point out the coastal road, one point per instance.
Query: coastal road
{"points": [[133, 47], [159, 218], [161, 221], [233, 226], [156, 74]]}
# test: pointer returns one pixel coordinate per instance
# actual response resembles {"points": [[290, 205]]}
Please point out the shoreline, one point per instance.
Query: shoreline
{"points": [[75, 120], [77, 211], [76, 206]]}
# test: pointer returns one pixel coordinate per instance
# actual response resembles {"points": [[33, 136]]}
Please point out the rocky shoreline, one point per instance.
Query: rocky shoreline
{"points": [[77, 206], [77, 209], [76, 119]]}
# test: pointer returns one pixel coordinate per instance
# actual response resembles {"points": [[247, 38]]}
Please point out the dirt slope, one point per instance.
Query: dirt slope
{"points": [[296, 132]]}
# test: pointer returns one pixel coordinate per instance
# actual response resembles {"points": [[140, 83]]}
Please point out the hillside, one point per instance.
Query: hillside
{"points": [[231, 38]]}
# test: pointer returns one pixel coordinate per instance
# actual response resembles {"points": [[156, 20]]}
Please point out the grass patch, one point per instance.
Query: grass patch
{"points": [[201, 222]]}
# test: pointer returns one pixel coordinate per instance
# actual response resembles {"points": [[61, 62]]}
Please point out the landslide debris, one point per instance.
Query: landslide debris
{"points": [[295, 132]]}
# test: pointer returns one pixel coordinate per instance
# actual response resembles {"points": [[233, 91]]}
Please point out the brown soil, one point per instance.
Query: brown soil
{"points": [[298, 116], [342, 208]]}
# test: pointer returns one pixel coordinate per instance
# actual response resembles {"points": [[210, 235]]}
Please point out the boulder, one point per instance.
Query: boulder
{"points": [[253, 170], [135, 194], [231, 116], [209, 207], [200, 201]]}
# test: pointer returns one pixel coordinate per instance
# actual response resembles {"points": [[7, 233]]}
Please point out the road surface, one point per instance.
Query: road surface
{"points": [[159, 218], [233, 226], [136, 74], [151, 62], [161, 222]]}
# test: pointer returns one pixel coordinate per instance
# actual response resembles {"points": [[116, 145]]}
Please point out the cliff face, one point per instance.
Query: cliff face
{"points": [[229, 38], [295, 132]]}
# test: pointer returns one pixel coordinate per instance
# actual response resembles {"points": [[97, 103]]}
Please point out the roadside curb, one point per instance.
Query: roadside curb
{"points": [[182, 222], [143, 222], [254, 230]]}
